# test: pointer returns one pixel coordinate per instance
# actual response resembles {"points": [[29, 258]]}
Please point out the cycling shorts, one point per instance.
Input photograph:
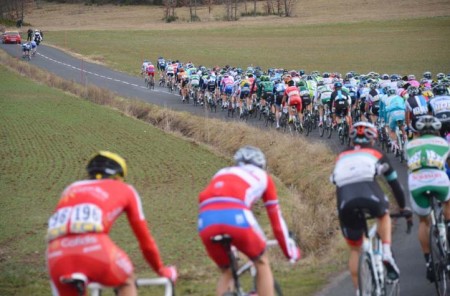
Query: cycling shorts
{"points": [[395, 116], [340, 107], [151, 74], [421, 181], [366, 196], [244, 94], [297, 101], [228, 90], [278, 100], [240, 224], [306, 100], [94, 255], [170, 74]]}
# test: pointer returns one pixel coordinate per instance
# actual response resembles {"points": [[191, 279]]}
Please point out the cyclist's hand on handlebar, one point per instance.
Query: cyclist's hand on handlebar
{"points": [[169, 272], [294, 251]]}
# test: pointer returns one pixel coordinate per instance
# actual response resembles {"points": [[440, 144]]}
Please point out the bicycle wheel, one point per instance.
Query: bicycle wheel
{"points": [[322, 129], [329, 127], [438, 262], [366, 277], [393, 289]]}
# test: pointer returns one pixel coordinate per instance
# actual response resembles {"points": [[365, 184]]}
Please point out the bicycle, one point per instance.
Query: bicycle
{"points": [[439, 247], [343, 131], [307, 121], [211, 104], [81, 283], [326, 123], [150, 83], [400, 138], [295, 126], [237, 271], [383, 138], [372, 275]]}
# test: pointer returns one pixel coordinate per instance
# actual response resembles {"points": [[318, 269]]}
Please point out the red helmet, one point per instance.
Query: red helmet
{"points": [[363, 133]]}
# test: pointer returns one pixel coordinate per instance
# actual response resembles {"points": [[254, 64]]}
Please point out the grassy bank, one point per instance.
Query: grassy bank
{"points": [[49, 134], [394, 46]]}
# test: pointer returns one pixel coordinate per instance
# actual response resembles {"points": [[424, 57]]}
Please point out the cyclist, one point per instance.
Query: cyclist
{"points": [[279, 89], [150, 70], [161, 64], [426, 156], [33, 47], [341, 103], [78, 230], [416, 106], [144, 66], [225, 208], [440, 107], [292, 94], [356, 187], [26, 49], [265, 92], [373, 103], [323, 97], [395, 111]]}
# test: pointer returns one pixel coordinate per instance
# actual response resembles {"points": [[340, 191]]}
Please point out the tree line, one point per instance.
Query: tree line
{"points": [[234, 9]]}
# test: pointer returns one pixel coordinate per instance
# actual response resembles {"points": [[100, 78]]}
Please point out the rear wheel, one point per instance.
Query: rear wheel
{"points": [[366, 277], [438, 262]]}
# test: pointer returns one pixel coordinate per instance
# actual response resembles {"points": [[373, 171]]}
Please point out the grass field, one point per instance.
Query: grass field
{"points": [[47, 137], [401, 46]]}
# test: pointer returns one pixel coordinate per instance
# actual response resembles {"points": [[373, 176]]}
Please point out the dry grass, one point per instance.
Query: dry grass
{"points": [[56, 17]]}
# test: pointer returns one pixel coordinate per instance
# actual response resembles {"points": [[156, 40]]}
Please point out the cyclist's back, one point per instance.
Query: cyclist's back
{"points": [[78, 229]]}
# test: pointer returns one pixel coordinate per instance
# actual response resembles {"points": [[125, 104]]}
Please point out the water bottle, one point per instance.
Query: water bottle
{"points": [[442, 234]]}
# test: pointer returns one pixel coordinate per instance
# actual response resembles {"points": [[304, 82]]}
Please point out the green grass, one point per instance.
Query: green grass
{"points": [[46, 139], [401, 46]]}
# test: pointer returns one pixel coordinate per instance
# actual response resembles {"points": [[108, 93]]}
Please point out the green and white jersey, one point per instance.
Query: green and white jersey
{"points": [[427, 151]]}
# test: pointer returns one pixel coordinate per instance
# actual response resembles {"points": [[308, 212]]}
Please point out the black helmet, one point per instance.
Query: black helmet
{"points": [[337, 84], [106, 164], [440, 89]]}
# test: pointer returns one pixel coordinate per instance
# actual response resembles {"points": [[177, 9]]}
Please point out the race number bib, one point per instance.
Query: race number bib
{"points": [[81, 218]]}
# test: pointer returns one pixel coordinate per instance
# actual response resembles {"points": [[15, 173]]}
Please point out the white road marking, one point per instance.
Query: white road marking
{"points": [[101, 76]]}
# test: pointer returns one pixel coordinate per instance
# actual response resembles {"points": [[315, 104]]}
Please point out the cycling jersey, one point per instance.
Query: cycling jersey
{"points": [[293, 95], [225, 205], [440, 107], [427, 157], [195, 80], [355, 177], [417, 106], [150, 70], [170, 70], [91, 207]]}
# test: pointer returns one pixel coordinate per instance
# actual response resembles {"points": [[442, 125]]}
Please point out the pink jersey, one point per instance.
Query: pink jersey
{"points": [[92, 206], [150, 69], [227, 81], [239, 187]]}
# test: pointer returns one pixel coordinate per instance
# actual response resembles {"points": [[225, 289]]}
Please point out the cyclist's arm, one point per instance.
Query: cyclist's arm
{"points": [[391, 177], [277, 222], [135, 215]]}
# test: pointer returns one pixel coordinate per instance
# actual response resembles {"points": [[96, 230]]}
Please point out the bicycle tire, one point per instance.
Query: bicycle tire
{"points": [[438, 262], [393, 289], [366, 277], [322, 129]]}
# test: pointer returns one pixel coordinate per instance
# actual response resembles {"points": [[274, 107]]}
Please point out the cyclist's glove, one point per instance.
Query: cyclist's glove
{"points": [[294, 251], [169, 272]]}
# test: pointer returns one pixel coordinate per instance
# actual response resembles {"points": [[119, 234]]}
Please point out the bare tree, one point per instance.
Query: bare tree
{"points": [[289, 7], [14, 9], [169, 9]]}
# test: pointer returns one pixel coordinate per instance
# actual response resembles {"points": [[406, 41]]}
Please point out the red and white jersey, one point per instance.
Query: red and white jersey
{"points": [[92, 206], [240, 187], [292, 92]]}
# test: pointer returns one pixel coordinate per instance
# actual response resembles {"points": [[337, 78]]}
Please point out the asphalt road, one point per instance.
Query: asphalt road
{"points": [[406, 247]]}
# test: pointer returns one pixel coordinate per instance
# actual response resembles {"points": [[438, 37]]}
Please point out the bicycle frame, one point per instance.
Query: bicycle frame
{"points": [[95, 288]]}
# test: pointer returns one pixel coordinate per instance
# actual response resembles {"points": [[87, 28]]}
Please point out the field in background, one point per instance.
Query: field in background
{"points": [[404, 46], [48, 137]]}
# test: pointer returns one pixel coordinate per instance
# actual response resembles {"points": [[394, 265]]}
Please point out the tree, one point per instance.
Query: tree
{"points": [[14, 9], [289, 7]]}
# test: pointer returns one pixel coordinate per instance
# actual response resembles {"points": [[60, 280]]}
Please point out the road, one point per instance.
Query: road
{"points": [[406, 247]]}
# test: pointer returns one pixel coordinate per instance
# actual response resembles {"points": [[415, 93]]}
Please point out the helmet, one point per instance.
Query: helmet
{"points": [[411, 77], [301, 72], [250, 155], [363, 133], [400, 83], [325, 75], [291, 83], [391, 91], [395, 77], [349, 75], [320, 83], [427, 123], [374, 85], [385, 77], [413, 91], [440, 76], [440, 89], [106, 164], [337, 84], [427, 75], [265, 78]]}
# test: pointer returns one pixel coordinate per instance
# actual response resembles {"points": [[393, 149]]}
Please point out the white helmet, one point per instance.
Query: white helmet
{"points": [[427, 123], [250, 155]]}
